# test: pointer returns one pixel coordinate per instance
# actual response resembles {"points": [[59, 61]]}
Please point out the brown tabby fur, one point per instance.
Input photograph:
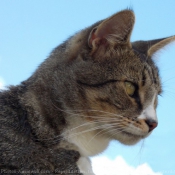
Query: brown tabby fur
{"points": [[82, 80]]}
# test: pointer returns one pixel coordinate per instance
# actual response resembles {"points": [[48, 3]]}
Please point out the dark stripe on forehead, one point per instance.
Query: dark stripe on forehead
{"points": [[155, 75], [144, 77], [148, 73], [153, 72]]}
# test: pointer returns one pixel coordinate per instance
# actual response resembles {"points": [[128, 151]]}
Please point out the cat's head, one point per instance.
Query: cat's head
{"points": [[111, 82]]}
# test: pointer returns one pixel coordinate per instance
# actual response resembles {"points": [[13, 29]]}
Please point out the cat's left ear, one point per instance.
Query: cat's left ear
{"points": [[152, 46], [115, 30]]}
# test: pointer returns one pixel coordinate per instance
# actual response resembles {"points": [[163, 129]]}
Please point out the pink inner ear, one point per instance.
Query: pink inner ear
{"points": [[92, 37], [95, 39], [98, 35]]}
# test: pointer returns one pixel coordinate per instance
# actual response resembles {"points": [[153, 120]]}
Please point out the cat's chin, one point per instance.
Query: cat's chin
{"points": [[128, 138]]}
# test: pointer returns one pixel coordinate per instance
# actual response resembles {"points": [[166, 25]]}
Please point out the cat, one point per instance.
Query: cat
{"points": [[95, 87]]}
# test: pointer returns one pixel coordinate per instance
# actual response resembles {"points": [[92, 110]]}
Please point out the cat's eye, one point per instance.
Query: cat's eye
{"points": [[130, 88]]}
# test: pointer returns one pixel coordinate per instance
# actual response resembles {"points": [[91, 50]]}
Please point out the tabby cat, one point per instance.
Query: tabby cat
{"points": [[95, 87]]}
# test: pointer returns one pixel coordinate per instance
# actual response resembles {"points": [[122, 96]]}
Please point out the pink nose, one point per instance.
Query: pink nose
{"points": [[152, 124]]}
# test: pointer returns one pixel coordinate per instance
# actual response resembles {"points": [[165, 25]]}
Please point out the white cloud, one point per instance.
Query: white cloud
{"points": [[104, 166], [2, 84]]}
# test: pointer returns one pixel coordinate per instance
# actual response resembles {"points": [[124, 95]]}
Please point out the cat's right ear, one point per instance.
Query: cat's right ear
{"points": [[150, 47], [115, 30]]}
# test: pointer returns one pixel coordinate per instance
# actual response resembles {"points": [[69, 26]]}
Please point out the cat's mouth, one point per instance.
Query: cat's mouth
{"points": [[141, 128]]}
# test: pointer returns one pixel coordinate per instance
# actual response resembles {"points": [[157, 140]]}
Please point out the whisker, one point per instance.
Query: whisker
{"points": [[118, 131], [87, 110], [118, 127], [102, 120], [94, 122], [84, 131], [99, 118], [112, 125], [139, 154], [89, 130], [100, 132], [105, 125], [84, 124], [168, 80]]}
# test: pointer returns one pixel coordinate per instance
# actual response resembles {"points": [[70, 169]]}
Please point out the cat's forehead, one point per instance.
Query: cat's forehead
{"points": [[129, 64], [123, 66]]}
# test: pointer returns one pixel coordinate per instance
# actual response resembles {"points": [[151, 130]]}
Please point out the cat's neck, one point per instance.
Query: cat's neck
{"points": [[89, 140]]}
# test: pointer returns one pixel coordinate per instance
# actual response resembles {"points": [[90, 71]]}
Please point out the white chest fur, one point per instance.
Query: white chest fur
{"points": [[84, 165]]}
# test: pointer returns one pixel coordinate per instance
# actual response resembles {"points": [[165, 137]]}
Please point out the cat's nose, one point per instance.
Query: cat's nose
{"points": [[152, 124]]}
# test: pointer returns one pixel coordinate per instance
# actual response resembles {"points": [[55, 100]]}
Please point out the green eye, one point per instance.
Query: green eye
{"points": [[130, 88]]}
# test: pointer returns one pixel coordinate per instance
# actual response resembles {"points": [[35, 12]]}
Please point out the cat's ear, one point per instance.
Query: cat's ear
{"points": [[152, 46], [112, 31]]}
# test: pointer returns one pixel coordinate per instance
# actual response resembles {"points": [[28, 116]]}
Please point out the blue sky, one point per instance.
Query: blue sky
{"points": [[29, 30]]}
